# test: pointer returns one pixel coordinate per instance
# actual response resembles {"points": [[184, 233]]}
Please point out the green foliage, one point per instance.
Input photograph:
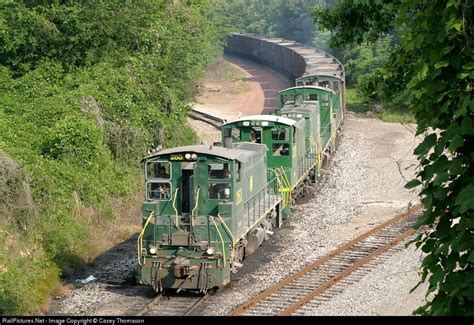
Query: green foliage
{"points": [[394, 114], [288, 19], [18, 293], [75, 138], [86, 87], [357, 21], [433, 64]]}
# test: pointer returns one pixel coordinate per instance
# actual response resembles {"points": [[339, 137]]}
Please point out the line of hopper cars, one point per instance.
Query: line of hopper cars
{"points": [[208, 207]]}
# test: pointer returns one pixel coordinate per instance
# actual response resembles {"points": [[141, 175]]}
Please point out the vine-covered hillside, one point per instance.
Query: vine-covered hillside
{"points": [[86, 88]]}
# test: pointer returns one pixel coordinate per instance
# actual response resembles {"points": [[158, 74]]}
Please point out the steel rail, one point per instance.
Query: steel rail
{"points": [[328, 257], [205, 117], [151, 309], [329, 283]]}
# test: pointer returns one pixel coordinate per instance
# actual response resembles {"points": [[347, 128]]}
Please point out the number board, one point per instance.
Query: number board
{"points": [[176, 157]]}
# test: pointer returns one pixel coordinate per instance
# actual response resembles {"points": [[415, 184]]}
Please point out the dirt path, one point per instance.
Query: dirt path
{"points": [[252, 91], [236, 87]]}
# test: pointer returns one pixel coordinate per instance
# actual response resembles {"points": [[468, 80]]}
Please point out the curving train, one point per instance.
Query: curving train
{"points": [[208, 207]]}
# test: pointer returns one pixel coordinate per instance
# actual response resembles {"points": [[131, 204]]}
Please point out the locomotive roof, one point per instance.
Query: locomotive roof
{"points": [[307, 87], [242, 154], [319, 75], [270, 118]]}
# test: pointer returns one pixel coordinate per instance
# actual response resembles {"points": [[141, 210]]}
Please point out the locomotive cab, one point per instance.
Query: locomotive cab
{"points": [[317, 98], [332, 82], [285, 138]]}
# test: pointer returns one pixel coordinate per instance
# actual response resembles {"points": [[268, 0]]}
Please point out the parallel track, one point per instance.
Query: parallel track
{"points": [[182, 305], [323, 279], [205, 117]]}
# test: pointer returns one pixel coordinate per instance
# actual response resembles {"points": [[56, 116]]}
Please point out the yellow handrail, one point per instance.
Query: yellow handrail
{"points": [[140, 238], [314, 145], [285, 177], [195, 206], [222, 239], [174, 207], [230, 234], [333, 127], [286, 188], [280, 185]]}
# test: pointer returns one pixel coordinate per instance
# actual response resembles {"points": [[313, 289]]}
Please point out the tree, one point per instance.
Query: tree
{"points": [[434, 64]]}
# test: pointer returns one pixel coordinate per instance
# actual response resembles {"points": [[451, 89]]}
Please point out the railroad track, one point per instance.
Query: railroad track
{"points": [[177, 305], [208, 118], [409, 127], [325, 278]]}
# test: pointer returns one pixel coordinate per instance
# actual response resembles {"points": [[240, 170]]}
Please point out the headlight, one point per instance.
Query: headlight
{"points": [[210, 250], [194, 156], [153, 250], [187, 156]]}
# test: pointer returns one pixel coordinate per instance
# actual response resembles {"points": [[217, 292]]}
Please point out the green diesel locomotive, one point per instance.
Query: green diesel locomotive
{"points": [[205, 208]]}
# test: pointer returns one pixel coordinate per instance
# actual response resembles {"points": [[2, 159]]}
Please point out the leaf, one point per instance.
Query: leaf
{"points": [[437, 275], [471, 257], [425, 146], [423, 72], [441, 64], [428, 246], [467, 125], [451, 261], [458, 25], [413, 183], [457, 142], [443, 228], [465, 198]]}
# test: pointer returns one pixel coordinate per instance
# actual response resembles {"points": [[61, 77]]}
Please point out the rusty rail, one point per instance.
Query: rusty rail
{"points": [[205, 117], [338, 277], [178, 305]]}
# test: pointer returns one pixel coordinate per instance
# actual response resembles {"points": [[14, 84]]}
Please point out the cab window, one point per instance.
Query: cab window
{"points": [[219, 191], [159, 191], [324, 83], [280, 134], [219, 171], [235, 133], [280, 149], [158, 169]]}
